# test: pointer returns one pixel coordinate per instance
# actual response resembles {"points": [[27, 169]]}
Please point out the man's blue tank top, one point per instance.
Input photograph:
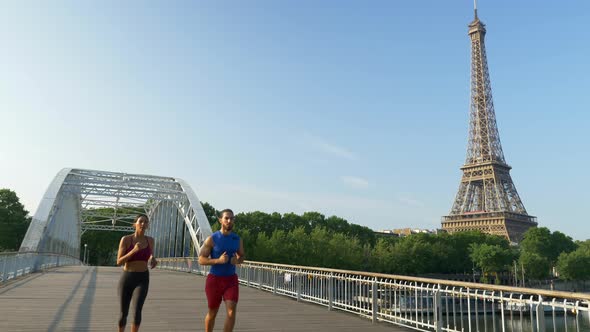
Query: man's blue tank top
{"points": [[224, 243]]}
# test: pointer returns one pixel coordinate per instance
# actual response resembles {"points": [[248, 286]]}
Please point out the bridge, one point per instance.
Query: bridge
{"points": [[45, 286], [83, 298]]}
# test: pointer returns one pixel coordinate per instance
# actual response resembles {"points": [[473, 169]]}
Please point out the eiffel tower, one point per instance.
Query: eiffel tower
{"points": [[487, 200]]}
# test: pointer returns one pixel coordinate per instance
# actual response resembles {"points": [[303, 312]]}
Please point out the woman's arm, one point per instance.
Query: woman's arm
{"points": [[152, 259]]}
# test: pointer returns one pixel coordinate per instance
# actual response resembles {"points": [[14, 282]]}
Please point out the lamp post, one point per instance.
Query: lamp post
{"points": [[84, 258]]}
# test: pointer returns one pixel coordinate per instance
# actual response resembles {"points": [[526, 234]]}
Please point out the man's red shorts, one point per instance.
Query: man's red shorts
{"points": [[220, 288]]}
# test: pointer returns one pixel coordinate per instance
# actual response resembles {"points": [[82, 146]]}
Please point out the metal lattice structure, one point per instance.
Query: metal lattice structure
{"points": [[78, 200], [487, 199]]}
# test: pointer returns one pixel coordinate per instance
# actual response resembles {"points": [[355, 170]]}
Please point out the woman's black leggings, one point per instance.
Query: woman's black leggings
{"points": [[133, 285]]}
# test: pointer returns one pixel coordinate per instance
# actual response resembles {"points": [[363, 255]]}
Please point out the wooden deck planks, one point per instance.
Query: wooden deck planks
{"points": [[85, 299]]}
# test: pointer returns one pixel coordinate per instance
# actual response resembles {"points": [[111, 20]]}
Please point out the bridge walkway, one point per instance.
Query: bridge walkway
{"points": [[80, 298]]}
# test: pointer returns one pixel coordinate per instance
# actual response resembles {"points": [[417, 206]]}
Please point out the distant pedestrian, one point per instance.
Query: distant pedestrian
{"points": [[135, 251], [223, 251]]}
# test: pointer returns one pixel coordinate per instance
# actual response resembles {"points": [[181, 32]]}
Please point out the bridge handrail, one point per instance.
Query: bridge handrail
{"points": [[19, 263], [424, 304], [442, 282]]}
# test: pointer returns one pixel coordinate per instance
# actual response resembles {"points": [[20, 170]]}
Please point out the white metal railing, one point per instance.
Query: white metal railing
{"points": [[16, 264], [419, 303]]}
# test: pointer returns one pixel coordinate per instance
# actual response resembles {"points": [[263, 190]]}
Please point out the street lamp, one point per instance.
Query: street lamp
{"points": [[84, 258]]}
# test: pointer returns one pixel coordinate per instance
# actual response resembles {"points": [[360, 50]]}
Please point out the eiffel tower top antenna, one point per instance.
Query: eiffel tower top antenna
{"points": [[475, 8]]}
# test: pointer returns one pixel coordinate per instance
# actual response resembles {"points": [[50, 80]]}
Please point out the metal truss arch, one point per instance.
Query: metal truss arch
{"points": [[78, 200]]}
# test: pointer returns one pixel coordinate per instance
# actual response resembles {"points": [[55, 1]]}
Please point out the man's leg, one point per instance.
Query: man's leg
{"points": [[214, 297], [210, 319], [230, 320]]}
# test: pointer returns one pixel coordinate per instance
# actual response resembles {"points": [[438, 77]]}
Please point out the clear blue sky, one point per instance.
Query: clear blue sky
{"points": [[351, 108]]}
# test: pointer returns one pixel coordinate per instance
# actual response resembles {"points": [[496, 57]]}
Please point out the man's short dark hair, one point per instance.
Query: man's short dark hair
{"points": [[224, 211]]}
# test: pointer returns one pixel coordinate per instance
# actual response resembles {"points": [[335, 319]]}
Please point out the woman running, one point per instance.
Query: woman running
{"points": [[135, 251]]}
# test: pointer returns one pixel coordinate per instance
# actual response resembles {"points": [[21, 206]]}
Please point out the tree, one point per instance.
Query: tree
{"points": [[575, 265], [210, 212], [345, 252], [491, 258], [314, 219], [561, 243], [13, 220], [381, 258], [11, 209], [540, 249], [256, 222], [102, 247], [298, 247], [414, 255], [460, 243], [319, 245], [535, 266]]}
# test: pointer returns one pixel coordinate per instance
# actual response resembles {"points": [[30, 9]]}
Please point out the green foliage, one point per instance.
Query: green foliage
{"points": [[540, 249], [102, 247], [535, 266], [298, 247], [560, 243], [11, 209], [575, 265], [210, 212], [491, 257], [381, 258], [13, 221], [428, 253], [540, 241], [11, 235]]}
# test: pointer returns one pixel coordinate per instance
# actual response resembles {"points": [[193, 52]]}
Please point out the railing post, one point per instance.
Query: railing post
{"points": [[374, 300], [540, 315], [260, 278], [469, 308], [4, 259], [502, 311], [274, 280], [14, 260], [437, 310], [298, 278], [248, 276], [17, 266], [330, 290]]}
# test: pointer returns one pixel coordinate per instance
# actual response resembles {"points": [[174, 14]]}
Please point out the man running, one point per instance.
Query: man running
{"points": [[223, 251]]}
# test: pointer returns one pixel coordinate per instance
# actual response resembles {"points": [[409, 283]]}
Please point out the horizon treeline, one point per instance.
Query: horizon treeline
{"points": [[312, 239]]}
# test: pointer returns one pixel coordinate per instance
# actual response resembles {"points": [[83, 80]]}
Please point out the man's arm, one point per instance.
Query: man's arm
{"points": [[205, 253]]}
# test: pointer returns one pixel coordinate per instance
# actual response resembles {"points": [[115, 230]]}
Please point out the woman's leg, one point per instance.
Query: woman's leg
{"points": [[125, 294], [139, 297]]}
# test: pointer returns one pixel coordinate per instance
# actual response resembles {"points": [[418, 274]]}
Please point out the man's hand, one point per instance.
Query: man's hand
{"points": [[235, 259], [223, 258]]}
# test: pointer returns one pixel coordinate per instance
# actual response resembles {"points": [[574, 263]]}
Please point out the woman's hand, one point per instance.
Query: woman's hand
{"points": [[153, 262]]}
